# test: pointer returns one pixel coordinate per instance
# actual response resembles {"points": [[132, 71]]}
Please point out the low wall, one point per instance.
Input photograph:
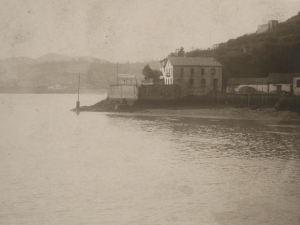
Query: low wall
{"points": [[169, 92], [251, 99], [175, 92], [128, 92], [159, 92], [257, 100]]}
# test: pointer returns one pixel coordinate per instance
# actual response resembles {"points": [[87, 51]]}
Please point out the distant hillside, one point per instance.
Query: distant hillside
{"points": [[52, 57], [54, 68], [257, 55]]}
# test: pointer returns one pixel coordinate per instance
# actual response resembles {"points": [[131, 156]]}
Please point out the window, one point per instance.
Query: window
{"points": [[202, 71], [167, 72], [181, 71], [203, 82], [298, 83], [191, 81], [213, 71], [279, 88], [215, 85], [192, 71]]}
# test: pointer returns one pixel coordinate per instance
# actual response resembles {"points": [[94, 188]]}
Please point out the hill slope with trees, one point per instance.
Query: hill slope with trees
{"points": [[257, 55]]}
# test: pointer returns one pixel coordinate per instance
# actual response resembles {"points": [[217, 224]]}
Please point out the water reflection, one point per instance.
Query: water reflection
{"points": [[221, 138], [228, 171], [59, 168]]}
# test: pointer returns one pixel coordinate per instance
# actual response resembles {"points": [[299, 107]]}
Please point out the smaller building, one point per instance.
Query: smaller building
{"points": [[274, 83], [244, 85], [287, 82]]}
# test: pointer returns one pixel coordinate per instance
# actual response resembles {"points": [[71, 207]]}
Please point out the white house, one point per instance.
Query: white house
{"points": [[192, 71]]}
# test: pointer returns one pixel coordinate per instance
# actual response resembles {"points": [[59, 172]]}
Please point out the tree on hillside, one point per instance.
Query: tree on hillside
{"points": [[151, 74], [181, 52]]}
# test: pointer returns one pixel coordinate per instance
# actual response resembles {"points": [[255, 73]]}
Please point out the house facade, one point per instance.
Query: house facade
{"points": [[287, 82], [296, 85], [192, 71]]}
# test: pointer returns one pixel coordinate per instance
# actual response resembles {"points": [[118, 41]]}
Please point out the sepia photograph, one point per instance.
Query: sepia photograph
{"points": [[150, 112]]}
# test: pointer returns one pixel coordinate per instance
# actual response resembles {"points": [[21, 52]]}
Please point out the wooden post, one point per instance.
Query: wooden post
{"points": [[297, 104], [117, 74], [248, 100], [262, 97], [78, 103]]}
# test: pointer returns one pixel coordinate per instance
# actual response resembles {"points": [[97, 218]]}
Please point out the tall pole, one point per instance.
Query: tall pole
{"points": [[78, 103], [262, 97], [117, 74]]}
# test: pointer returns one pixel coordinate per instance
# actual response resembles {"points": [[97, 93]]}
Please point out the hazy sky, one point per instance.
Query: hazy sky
{"points": [[129, 30]]}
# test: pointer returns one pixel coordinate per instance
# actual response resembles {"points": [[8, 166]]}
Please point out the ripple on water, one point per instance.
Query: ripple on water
{"points": [[57, 167]]}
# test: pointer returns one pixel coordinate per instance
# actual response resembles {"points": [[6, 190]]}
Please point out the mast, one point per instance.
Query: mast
{"points": [[78, 103], [117, 73]]}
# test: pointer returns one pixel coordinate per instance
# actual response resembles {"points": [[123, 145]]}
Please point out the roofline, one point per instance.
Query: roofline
{"points": [[272, 82], [248, 84], [197, 65]]}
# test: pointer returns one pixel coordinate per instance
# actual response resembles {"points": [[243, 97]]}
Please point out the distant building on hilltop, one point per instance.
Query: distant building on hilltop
{"points": [[268, 26], [199, 71]]}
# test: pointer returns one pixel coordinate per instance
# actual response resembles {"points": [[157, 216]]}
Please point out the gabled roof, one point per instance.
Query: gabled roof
{"points": [[282, 78], [241, 81], [193, 61]]}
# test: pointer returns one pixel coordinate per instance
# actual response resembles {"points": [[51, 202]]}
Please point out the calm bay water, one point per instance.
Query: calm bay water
{"points": [[57, 167]]}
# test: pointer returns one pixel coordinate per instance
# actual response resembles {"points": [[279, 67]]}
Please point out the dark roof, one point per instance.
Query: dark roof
{"points": [[282, 78], [193, 61], [239, 81]]}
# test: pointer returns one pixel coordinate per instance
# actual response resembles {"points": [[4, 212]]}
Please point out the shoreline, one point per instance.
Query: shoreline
{"points": [[191, 110], [199, 116]]}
